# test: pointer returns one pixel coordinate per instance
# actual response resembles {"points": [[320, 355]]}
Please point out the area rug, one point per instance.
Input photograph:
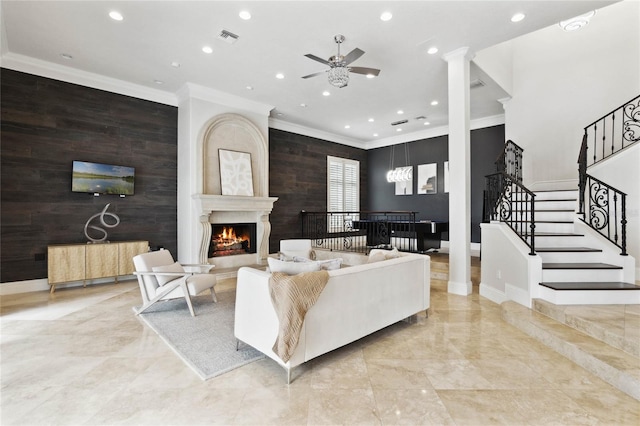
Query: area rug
{"points": [[205, 342]]}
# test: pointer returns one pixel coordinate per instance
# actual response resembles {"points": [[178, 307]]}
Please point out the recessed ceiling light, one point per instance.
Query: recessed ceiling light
{"points": [[158, 82], [303, 105], [434, 103], [175, 64], [116, 16], [279, 114], [249, 87], [325, 93], [375, 135], [517, 17], [66, 56], [371, 76], [244, 15], [207, 49], [398, 129], [347, 126], [432, 50], [400, 112], [386, 16], [371, 120], [279, 76], [426, 123]]}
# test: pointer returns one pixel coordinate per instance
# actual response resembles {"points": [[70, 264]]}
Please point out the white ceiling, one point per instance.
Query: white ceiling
{"points": [[139, 50]]}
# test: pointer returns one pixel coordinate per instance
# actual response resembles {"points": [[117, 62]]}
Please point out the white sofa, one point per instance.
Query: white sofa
{"points": [[357, 301]]}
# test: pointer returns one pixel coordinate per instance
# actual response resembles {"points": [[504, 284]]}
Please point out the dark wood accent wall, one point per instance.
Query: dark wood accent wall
{"points": [[298, 177], [46, 124]]}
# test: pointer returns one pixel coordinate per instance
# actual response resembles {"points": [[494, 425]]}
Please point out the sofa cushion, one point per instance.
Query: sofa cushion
{"points": [[173, 267], [292, 268], [326, 265]]}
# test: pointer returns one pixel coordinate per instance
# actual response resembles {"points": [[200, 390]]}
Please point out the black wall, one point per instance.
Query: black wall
{"points": [[46, 124], [298, 177], [486, 145]]}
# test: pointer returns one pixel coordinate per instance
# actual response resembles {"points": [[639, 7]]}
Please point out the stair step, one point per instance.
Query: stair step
{"points": [[567, 250], [611, 364], [592, 265], [557, 234], [616, 325], [611, 285]]}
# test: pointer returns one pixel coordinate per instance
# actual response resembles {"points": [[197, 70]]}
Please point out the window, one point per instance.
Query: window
{"points": [[343, 191]]}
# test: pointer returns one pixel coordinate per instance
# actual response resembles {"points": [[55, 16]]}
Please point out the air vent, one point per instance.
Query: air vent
{"points": [[228, 36], [421, 117], [476, 83], [399, 122]]}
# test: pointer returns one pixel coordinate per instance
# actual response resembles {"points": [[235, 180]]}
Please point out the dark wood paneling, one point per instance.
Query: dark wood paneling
{"points": [[46, 124], [298, 177]]}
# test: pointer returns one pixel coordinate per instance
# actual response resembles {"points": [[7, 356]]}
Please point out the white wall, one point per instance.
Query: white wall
{"points": [[563, 81], [507, 268]]}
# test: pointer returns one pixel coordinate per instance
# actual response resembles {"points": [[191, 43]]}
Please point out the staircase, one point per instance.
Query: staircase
{"points": [[576, 267]]}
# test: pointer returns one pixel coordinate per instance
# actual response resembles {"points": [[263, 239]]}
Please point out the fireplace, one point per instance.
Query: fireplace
{"points": [[230, 239]]}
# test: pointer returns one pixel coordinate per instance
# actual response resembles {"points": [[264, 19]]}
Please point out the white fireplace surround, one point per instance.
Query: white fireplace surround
{"points": [[237, 133], [220, 209]]}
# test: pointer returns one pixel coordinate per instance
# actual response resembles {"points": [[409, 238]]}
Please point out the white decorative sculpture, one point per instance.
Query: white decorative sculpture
{"points": [[101, 215]]}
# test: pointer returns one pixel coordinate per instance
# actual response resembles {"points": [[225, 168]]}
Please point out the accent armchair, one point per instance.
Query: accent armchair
{"points": [[162, 278]]}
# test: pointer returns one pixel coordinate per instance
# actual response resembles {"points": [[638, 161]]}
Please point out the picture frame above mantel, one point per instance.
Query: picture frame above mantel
{"points": [[235, 173]]}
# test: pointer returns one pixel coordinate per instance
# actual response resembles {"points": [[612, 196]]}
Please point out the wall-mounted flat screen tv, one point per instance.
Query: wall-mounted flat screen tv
{"points": [[98, 178]]}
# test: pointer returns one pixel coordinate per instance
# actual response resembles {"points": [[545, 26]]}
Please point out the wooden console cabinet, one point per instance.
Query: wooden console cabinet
{"points": [[81, 262]]}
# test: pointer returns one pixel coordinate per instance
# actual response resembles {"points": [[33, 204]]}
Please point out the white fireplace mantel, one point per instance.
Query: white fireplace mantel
{"points": [[206, 203]]}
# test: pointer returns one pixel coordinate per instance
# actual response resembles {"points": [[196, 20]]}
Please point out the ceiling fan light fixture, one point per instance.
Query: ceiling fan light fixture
{"points": [[338, 76]]}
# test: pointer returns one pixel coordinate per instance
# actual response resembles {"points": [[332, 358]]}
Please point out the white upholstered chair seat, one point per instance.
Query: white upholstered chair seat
{"points": [[162, 278]]}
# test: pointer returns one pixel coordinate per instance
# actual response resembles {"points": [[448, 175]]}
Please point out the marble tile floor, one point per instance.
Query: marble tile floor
{"points": [[80, 357]]}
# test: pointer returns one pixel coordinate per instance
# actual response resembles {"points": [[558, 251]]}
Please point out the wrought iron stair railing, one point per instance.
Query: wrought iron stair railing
{"points": [[510, 160], [508, 201], [602, 206]]}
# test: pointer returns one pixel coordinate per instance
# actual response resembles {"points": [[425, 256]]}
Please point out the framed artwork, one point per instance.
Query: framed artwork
{"points": [[446, 176], [428, 178], [405, 187], [235, 173]]}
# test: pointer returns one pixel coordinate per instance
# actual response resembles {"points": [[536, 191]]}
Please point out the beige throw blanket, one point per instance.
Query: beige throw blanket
{"points": [[292, 296]]}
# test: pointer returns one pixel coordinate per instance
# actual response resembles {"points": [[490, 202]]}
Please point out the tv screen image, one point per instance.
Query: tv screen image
{"points": [[102, 178]]}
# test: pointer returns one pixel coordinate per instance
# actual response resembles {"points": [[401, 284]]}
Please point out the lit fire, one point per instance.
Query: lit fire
{"points": [[228, 237]]}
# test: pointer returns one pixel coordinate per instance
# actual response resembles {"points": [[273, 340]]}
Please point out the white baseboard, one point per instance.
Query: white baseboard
{"points": [[461, 289], [42, 284], [492, 293], [517, 295]]}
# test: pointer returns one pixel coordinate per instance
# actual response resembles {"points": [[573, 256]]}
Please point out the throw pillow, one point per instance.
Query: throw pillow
{"points": [[394, 253], [163, 279], [331, 264], [292, 268], [376, 257]]}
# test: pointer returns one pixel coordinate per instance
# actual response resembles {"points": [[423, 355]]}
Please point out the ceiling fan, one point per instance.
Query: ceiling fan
{"points": [[339, 69]]}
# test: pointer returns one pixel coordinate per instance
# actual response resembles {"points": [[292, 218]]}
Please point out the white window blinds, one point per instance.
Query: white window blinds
{"points": [[343, 184]]}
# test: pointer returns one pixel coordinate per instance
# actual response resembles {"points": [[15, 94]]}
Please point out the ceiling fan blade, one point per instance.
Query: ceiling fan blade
{"points": [[314, 74], [364, 70], [315, 58], [353, 55]]}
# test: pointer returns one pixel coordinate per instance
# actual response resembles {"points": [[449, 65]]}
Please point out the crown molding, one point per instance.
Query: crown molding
{"points": [[315, 133], [478, 123], [96, 81], [192, 90]]}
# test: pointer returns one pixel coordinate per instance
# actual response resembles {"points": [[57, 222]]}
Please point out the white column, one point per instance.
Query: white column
{"points": [[459, 172]]}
